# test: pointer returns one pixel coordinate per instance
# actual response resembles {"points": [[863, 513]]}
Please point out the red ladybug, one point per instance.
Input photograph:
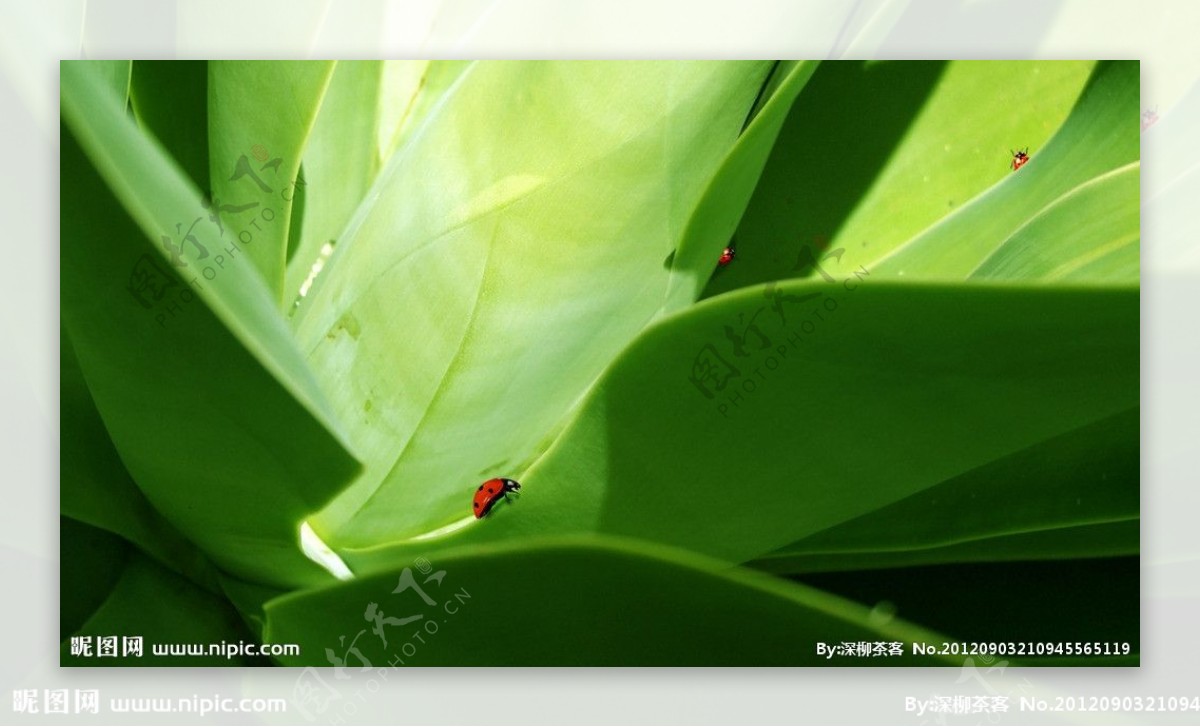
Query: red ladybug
{"points": [[1019, 158], [491, 491], [727, 255]]}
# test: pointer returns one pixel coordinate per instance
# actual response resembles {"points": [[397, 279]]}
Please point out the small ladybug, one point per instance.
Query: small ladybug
{"points": [[1019, 158], [491, 491], [727, 255]]}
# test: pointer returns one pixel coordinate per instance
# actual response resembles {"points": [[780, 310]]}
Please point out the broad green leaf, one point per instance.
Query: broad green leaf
{"points": [[512, 246], [1100, 136], [780, 74], [95, 488], [1075, 495], [411, 90], [898, 390], [509, 256], [369, 110], [164, 609], [875, 152], [170, 100], [725, 199], [202, 390], [1088, 235], [259, 117], [847, 402], [114, 75], [340, 162], [576, 602], [401, 83]]}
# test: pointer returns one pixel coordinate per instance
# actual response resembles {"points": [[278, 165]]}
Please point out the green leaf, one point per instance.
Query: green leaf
{"points": [[726, 197], [114, 75], [859, 398], [370, 109], [576, 602], [95, 488], [944, 385], [90, 563], [513, 245], [1088, 235], [170, 100], [203, 392], [1070, 496], [164, 609], [341, 161], [411, 90], [259, 117], [1101, 135], [875, 152], [897, 390]]}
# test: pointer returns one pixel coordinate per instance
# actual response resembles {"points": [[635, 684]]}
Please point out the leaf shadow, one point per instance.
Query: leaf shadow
{"points": [[836, 139]]}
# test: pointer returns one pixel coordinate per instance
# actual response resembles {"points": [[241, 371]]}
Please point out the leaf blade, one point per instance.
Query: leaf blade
{"points": [[508, 235], [674, 609], [283, 457], [262, 109]]}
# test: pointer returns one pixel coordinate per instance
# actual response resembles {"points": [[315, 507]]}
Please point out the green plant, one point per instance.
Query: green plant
{"points": [[343, 294]]}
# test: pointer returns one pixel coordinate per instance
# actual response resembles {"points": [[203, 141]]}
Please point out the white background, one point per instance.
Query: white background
{"points": [[34, 36]]}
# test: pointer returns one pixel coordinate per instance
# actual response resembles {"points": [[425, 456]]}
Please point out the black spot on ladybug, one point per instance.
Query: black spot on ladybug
{"points": [[480, 488], [491, 490]]}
